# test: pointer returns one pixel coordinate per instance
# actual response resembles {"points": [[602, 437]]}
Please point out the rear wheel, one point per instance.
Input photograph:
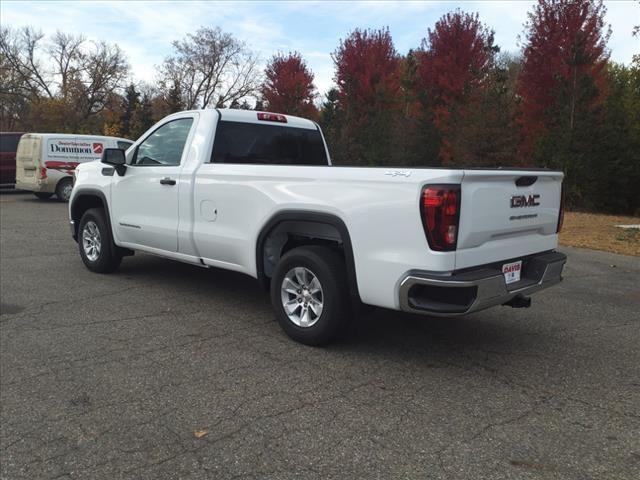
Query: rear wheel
{"points": [[63, 189], [43, 195], [310, 294], [97, 250]]}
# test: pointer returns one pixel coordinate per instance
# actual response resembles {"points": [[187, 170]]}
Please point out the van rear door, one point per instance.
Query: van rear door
{"points": [[506, 215], [28, 159]]}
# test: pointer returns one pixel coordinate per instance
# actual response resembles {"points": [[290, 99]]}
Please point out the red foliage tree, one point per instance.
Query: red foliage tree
{"points": [[289, 87], [367, 67], [454, 64], [565, 46], [368, 75]]}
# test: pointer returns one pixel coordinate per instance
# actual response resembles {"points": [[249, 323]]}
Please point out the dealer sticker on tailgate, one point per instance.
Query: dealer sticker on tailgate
{"points": [[511, 271]]}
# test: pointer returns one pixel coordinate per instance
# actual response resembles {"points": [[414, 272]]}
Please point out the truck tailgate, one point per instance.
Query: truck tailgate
{"points": [[507, 214]]}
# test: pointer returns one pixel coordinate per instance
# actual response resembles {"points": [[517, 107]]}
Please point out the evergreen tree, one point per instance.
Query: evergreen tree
{"points": [[562, 86], [173, 100], [142, 117], [330, 119], [612, 164], [130, 103], [417, 136]]}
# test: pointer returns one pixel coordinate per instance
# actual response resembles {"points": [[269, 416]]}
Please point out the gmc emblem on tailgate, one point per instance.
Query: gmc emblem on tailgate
{"points": [[518, 201]]}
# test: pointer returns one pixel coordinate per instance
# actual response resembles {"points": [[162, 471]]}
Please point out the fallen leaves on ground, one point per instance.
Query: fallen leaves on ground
{"points": [[599, 232]]}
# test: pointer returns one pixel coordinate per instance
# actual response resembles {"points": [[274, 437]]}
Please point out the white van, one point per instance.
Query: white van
{"points": [[45, 161]]}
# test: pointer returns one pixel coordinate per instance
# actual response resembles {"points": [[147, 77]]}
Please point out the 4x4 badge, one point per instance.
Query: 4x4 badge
{"points": [[396, 173]]}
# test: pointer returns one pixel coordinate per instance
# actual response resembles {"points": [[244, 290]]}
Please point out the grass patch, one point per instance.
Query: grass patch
{"points": [[597, 231]]}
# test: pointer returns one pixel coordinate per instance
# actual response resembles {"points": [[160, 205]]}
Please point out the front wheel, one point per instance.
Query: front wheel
{"points": [[63, 189], [97, 250], [310, 294]]}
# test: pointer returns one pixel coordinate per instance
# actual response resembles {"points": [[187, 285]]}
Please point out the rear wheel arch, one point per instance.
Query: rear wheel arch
{"points": [[290, 229]]}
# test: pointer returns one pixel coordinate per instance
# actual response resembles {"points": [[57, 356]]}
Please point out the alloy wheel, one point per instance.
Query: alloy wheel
{"points": [[302, 297]]}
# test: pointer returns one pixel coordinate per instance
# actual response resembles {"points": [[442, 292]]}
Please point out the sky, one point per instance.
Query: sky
{"points": [[145, 30]]}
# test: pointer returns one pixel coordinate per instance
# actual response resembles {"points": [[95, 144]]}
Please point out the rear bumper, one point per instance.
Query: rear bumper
{"points": [[37, 186], [479, 288]]}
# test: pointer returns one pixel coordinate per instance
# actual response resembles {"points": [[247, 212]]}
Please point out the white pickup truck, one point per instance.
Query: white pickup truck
{"points": [[255, 192]]}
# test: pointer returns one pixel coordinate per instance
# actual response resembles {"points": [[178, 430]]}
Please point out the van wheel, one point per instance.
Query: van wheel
{"points": [[63, 189], [95, 242], [43, 195], [310, 294]]}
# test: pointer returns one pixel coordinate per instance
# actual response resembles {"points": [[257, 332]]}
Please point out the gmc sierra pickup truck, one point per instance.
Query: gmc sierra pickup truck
{"points": [[255, 192]]}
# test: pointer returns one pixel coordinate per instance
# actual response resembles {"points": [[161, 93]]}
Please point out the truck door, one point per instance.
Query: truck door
{"points": [[144, 201]]}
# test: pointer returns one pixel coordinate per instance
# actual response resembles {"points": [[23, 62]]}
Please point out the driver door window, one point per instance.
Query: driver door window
{"points": [[164, 146]]}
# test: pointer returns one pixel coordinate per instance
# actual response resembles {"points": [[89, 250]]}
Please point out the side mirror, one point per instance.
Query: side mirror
{"points": [[115, 157]]}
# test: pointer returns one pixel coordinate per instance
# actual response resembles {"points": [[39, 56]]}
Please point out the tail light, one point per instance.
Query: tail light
{"points": [[561, 213], [440, 208], [272, 117], [43, 172]]}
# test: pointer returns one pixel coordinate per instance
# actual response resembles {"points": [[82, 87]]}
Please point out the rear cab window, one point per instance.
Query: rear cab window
{"points": [[251, 143]]}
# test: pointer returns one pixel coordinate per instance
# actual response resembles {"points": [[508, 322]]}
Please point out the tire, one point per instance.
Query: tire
{"points": [[43, 195], [63, 189], [328, 310], [106, 257]]}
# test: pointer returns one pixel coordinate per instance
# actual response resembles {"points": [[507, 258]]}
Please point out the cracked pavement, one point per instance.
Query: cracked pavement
{"points": [[109, 376]]}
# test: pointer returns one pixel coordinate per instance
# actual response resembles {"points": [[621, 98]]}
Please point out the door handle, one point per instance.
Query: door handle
{"points": [[167, 181]]}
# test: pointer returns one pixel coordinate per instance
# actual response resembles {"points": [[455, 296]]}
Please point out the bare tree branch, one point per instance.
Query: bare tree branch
{"points": [[77, 83], [67, 55], [19, 50], [210, 67]]}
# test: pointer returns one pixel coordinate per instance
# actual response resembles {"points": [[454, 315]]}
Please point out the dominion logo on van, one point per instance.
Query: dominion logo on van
{"points": [[74, 150], [518, 201], [75, 147]]}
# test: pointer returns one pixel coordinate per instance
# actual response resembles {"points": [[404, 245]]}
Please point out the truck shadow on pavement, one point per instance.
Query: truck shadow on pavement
{"points": [[372, 329]]}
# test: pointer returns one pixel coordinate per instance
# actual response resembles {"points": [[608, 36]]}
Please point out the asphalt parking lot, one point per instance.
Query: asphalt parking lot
{"points": [[111, 376]]}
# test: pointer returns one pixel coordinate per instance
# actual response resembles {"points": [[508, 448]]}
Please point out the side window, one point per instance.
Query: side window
{"points": [[123, 145], [165, 145]]}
